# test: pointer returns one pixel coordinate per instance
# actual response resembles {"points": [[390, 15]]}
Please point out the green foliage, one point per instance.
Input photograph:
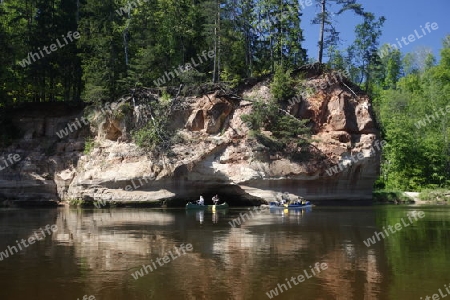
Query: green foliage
{"points": [[282, 84], [390, 196], [391, 69], [286, 128], [418, 152], [287, 133], [122, 110], [258, 117], [329, 36], [77, 202], [435, 195], [230, 78], [150, 136], [192, 76], [363, 54], [276, 35], [26, 27], [165, 96], [269, 142], [156, 134], [336, 61], [89, 145]]}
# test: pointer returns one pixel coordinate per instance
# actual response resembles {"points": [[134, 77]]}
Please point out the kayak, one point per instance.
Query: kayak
{"points": [[191, 205]]}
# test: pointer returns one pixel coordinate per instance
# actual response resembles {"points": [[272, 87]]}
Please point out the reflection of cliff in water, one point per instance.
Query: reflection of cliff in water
{"points": [[247, 260], [116, 233]]}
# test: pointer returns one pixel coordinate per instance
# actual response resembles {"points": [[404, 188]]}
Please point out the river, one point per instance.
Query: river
{"points": [[320, 253]]}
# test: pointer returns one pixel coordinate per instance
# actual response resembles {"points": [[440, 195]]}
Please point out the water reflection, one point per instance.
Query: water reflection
{"points": [[215, 217], [95, 252], [200, 215]]}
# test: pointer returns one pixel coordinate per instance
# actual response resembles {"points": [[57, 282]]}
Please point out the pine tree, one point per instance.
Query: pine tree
{"points": [[102, 50], [329, 36]]}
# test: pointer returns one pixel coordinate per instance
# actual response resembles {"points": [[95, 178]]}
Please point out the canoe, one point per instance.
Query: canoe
{"points": [[195, 206], [273, 205], [291, 206], [191, 205]]}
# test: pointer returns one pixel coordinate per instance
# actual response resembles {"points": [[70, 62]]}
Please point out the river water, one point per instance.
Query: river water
{"points": [[199, 255]]}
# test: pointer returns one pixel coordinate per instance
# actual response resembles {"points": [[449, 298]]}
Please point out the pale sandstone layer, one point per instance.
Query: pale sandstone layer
{"points": [[215, 155]]}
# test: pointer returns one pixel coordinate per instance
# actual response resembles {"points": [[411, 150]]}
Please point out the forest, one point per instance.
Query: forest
{"points": [[96, 51]]}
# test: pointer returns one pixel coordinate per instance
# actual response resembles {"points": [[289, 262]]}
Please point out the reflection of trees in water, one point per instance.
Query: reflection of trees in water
{"points": [[417, 253]]}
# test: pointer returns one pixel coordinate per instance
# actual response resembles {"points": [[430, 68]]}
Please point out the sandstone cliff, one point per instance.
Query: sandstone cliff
{"points": [[214, 154]]}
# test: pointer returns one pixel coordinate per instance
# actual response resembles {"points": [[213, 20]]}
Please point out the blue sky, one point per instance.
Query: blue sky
{"points": [[402, 18]]}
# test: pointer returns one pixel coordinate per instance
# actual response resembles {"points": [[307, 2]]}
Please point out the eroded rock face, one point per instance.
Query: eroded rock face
{"points": [[216, 155], [43, 154], [210, 116], [112, 130], [196, 121]]}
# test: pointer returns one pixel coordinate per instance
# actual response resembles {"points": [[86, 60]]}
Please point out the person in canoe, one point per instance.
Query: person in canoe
{"points": [[285, 199], [215, 199], [201, 201], [298, 201]]}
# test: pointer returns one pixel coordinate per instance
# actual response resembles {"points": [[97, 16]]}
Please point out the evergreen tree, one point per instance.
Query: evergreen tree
{"points": [[102, 49], [279, 33], [329, 36], [364, 51]]}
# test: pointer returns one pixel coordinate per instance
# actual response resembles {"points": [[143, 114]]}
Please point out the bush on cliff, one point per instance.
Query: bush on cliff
{"points": [[152, 135], [155, 134], [281, 87], [276, 129]]}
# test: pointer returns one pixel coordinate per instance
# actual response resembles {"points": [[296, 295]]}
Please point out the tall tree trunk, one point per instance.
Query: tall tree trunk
{"points": [[248, 53], [446, 146], [218, 41], [215, 51], [280, 32], [322, 31], [272, 63], [125, 35], [78, 12], [125, 45]]}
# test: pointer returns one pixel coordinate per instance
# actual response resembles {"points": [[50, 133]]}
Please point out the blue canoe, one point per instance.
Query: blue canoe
{"points": [[274, 205]]}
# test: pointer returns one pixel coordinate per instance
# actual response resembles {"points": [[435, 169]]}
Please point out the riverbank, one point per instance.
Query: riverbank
{"points": [[428, 196], [435, 196], [390, 196]]}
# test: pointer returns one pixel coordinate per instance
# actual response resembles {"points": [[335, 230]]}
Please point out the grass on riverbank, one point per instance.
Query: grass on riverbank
{"points": [[390, 196], [441, 196]]}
